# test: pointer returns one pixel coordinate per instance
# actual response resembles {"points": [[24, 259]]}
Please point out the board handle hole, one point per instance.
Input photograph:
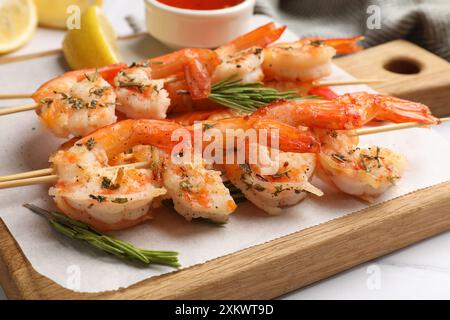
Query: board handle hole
{"points": [[403, 65]]}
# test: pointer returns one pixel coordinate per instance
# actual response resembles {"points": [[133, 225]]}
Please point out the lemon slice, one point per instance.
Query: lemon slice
{"points": [[54, 14], [18, 21], [94, 44]]}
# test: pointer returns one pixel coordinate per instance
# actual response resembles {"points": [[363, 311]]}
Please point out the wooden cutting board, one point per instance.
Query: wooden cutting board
{"points": [[294, 261]]}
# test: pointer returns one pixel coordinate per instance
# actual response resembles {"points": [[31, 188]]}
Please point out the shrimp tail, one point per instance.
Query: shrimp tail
{"points": [[198, 79], [173, 63], [388, 108], [110, 72], [260, 37], [399, 110], [345, 45]]}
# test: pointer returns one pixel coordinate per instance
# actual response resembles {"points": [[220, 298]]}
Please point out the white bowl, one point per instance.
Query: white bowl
{"points": [[182, 28]]}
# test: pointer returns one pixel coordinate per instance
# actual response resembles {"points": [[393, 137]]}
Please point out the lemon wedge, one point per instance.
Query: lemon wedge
{"points": [[54, 14], [18, 20], [94, 44]]}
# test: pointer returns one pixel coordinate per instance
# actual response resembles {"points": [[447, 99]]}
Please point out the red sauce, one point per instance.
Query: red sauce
{"points": [[201, 4]]}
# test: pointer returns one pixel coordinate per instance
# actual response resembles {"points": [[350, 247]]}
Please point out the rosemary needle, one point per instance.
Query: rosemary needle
{"points": [[248, 97], [80, 231]]}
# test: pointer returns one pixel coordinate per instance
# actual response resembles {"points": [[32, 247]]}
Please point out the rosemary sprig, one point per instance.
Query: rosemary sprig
{"points": [[247, 97], [80, 231]]}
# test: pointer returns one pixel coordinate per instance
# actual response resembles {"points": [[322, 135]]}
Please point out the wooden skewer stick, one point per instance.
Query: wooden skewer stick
{"points": [[26, 107], [395, 126], [29, 174], [12, 96], [47, 176], [28, 181], [15, 96], [346, 82]]}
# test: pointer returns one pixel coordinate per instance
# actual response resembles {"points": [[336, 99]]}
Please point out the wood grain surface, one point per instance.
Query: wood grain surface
{"points": [[291, 262]]}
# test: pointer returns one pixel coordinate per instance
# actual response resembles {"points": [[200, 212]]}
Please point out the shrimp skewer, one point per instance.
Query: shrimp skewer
{"points": [[79, 102], [90, 190], [139, 88], [363, 172]]}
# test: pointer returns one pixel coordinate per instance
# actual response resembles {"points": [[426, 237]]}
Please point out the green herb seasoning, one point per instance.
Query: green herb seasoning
{"points": [[278, 190], [259, 188], [99, 199], [245, 167], [120, 200], [107, 184], [90, 143]]}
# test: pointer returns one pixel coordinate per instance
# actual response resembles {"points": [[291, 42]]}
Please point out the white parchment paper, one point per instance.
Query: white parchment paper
{"points": [[25, 145]]}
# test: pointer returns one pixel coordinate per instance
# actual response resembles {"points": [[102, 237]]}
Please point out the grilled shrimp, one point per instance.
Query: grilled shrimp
{"points": [[288, 186], [77, 103], [243, 57], [140, 97], [307, 59], [346, 112], [245, 65], [365, 172], [196, 190], [110, 198]]}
